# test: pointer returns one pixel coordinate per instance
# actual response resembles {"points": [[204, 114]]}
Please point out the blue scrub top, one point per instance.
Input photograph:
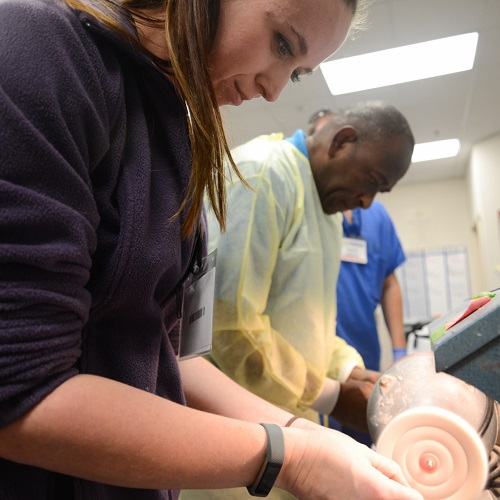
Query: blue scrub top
{"points": [[359, 287]]}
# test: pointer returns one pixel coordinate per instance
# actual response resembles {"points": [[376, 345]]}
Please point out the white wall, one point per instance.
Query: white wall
{"points": [[435, 215], [431, 215], [484, 187]]}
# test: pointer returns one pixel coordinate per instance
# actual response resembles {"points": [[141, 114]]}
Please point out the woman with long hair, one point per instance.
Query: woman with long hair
{"points": [[110, 134]]}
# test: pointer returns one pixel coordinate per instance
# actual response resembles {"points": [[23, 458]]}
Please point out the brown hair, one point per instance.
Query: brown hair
{"points": [[191, 26]]}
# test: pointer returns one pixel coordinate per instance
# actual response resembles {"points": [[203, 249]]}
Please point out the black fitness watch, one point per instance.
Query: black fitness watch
{"points": [[272, 465]]}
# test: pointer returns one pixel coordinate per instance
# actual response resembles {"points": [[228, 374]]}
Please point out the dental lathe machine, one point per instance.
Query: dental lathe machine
{"points": [[437, 414]]}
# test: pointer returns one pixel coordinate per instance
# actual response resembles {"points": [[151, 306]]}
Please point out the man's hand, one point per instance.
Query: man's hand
{"points": [[364, 375], [350, 409]]}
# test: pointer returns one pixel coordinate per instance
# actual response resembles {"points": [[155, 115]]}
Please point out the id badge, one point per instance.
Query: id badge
{"points": [[195, 336], [354, 250]]}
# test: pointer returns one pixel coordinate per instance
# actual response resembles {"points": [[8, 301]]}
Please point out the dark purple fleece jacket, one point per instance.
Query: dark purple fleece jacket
{"points": [[94, 162]]}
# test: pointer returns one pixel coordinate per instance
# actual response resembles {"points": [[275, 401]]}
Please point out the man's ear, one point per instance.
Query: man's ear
{"points": [[342, 137]]}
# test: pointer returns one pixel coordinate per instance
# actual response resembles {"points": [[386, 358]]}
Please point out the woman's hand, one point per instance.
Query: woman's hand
{"points": [[324, 464]]}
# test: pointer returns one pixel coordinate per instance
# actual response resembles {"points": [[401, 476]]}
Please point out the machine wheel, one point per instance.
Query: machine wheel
{"points": [[440, 453]]}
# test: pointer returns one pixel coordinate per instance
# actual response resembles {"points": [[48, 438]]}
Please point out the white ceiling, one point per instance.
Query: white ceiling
{"points": [[464, 105]]}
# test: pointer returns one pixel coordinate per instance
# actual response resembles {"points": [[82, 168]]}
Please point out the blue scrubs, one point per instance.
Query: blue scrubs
{"points": [[359, 286]]}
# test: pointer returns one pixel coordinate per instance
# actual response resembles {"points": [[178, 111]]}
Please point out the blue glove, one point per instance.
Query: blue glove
{"points": [[398, 353]]}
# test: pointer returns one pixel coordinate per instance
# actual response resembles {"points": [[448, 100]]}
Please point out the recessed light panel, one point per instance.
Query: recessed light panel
{"points": [[402, 64], [436, 150]]}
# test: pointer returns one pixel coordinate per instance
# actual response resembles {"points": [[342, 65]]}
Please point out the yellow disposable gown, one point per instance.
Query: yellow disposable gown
{"points": [[276, 273]]}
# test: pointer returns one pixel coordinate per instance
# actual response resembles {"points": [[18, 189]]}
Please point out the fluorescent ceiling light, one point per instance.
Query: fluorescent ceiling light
{"points": [[402, 64], [435, 150]]}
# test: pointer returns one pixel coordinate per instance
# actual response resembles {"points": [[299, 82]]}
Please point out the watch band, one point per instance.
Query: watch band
{"points": [[272, 465]]}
